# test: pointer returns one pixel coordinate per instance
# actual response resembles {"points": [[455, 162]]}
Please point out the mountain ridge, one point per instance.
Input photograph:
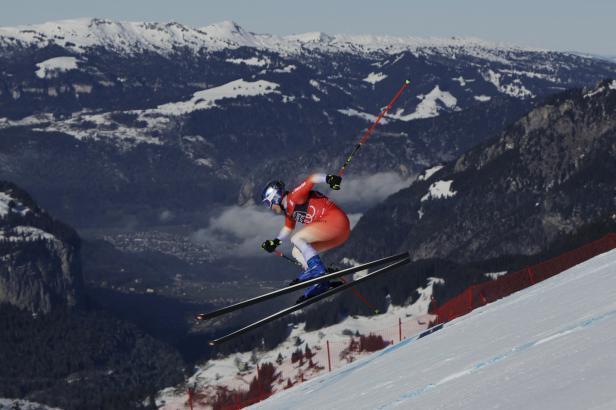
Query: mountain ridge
{"points": [[226, 34]]}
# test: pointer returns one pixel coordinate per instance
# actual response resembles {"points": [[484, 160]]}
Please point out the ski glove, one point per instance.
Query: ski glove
{"points": [[271, 244], [334, 181]]}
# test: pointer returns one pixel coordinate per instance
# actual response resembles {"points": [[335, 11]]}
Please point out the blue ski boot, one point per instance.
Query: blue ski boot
{"points": [[315, 269]]}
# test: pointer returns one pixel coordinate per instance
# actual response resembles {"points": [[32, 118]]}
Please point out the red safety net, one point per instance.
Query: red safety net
{"points": [[481, 294]]}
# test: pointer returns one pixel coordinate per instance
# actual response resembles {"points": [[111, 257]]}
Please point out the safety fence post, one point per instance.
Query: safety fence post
{"points": [[470, 298], [329, 358], [531, 276], [400, 329]]}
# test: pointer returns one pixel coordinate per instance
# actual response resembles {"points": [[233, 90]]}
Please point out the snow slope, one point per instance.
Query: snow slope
{"points": [[551, 346], [430, 106], [207, 98]]}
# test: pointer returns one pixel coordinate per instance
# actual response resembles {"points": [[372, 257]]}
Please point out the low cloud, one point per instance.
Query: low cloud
{"points": [[166, 216], [240, 230], [358, 194]]}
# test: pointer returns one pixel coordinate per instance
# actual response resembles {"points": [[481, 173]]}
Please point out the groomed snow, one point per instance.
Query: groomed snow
{"points": [[551, 346]]}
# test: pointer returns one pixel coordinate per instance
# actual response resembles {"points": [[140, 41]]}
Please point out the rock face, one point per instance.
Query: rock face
{"points": [[40, 266], [549, 174]]}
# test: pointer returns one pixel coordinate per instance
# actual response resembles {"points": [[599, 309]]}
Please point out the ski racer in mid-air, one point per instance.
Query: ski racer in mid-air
{"points": [[326, 225]]}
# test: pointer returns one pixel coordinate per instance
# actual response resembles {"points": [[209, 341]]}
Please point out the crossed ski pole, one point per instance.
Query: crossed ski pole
{"points": [[364, 138], [357, 293]]}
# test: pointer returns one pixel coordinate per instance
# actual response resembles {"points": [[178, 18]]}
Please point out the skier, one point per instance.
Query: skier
{"points": [[326, 225]]}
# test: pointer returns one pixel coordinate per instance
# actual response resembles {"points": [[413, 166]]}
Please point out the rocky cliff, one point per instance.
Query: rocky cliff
{"points": [[40, 267]]}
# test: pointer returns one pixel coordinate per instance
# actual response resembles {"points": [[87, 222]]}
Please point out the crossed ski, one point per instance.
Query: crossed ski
{"points": [[398, 260]]}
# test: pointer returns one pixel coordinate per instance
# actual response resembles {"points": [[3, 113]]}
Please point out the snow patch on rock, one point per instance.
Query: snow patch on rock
{"points": [[52, 67], [439, 189], [206, 99], [254, 61], [494, 275], [463, 81], [9, 204], [287, 69], [482, 98], [430, 106], [513, 89], [429, 172], [374, 78], [351, 112]]}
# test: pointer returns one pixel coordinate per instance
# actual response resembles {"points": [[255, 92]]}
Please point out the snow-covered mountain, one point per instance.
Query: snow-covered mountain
{"points": [[80, 35], [529, 350], [40, 268], [127, 124]]}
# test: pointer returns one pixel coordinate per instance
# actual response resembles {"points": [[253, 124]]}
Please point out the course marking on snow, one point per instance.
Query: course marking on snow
{"points": [[367, 360], [580, 326]]}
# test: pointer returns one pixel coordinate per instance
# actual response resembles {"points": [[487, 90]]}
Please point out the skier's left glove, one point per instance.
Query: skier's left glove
{"points": [[271, 244], [334, 181]]}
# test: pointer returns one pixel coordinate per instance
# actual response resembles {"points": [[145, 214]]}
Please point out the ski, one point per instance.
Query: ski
{"points": [[300, 285], [309, 301]]}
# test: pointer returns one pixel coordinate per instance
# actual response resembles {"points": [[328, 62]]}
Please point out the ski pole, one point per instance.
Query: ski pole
{"points": [[369, 131], [282, 255], [362, 298]]}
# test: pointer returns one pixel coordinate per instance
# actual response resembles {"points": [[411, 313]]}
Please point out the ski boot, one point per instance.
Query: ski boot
{"points": [[315, 269]]}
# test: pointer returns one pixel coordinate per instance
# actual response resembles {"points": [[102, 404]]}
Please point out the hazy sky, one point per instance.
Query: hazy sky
{"points": [[576, 25]]}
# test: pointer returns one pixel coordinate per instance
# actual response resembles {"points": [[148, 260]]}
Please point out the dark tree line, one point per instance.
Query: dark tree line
{"points": [[81, 360]]}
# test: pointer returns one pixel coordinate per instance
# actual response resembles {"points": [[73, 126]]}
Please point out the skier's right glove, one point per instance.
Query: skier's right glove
{"points": [[334, 181], [271, 244]]}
